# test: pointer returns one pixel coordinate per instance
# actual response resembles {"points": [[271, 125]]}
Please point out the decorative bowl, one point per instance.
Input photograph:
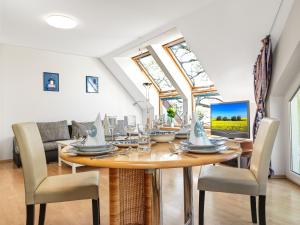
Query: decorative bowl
{"points": [[163, 137], [182, 135]]}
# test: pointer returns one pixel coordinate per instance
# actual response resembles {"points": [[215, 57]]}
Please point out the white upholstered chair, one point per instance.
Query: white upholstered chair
{"points": [[251, 181], [41, 188]]}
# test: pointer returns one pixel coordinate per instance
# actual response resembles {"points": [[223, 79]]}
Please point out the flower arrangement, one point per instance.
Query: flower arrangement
{"points": [[171, 111]]}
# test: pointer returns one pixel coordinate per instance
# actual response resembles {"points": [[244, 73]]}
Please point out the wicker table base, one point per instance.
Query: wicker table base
{"points": [[135, 196]]}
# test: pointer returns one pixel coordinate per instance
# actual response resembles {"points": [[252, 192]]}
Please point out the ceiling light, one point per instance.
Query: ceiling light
{"points": [[60, 21]]}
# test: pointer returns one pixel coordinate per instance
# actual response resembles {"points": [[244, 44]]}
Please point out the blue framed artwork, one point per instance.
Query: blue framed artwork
{"points": [[51, 81], [92, 84]]}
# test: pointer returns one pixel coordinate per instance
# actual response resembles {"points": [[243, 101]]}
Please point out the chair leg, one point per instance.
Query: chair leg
{"points": [[98, 203], [96, 217], [253, 209], [42, 214], [262, 210], [201, 207], [29, 214]]}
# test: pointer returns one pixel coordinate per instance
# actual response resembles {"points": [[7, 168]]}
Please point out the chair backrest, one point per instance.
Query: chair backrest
{"points": [[262, 150], [32, 156]]}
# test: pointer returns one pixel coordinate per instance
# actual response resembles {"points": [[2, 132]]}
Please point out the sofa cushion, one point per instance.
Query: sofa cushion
{"points": [[49, 146], [79, 129], [54, 131]]}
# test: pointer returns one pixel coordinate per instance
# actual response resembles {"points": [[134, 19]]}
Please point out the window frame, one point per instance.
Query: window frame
{"points": [[161, 94], [174, 59], [136, 59], [194, 95], [291, 169], [175, 95], [203, 92], [195, 90]]}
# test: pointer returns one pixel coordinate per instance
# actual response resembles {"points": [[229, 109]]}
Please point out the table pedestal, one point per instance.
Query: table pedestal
{"points": [[136, 196], [188, 195]]}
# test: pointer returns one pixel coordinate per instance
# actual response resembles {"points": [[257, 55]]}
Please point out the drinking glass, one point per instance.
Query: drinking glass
{"points": [[144, 143], [186, 125], [112, 123], [130, 126]]}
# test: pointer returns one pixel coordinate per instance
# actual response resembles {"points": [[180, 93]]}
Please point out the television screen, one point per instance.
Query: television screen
{"points": [[230, 119]]}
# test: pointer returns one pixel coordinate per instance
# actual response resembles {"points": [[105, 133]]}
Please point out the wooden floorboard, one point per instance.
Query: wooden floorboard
{"points": [[283, 201]]}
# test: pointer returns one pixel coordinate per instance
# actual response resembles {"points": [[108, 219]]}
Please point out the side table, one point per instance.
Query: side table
{"points": [[61, 145], [243, 144]]}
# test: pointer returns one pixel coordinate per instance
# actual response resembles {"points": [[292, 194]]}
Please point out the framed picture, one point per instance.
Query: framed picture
{"points": [[51, 81], [92, 84]]}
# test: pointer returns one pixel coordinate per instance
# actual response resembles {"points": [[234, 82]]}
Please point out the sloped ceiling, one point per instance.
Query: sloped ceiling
{"points": [[226, 37]]}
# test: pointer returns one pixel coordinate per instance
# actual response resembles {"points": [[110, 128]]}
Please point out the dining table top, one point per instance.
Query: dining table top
{"points": [[161, 156]]}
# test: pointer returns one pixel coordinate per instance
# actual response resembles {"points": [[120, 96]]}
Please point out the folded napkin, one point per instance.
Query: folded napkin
{"points": [[96, 133], [198, 135]]}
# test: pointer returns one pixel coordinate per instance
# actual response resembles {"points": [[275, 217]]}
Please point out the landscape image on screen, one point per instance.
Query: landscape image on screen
{"points": [[230, 119]]}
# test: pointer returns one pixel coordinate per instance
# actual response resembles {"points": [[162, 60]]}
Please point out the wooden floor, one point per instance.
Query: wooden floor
{"points": [[283, 201]]}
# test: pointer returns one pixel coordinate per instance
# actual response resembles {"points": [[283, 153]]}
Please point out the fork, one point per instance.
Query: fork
{"points": [[109, 155]]}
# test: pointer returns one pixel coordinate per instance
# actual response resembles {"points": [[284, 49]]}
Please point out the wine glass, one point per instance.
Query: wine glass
{"points": [[130, 126], [112, 123]]}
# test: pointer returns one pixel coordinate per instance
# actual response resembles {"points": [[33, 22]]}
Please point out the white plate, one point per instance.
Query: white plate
{"points": [[217, 138], [215, 150], [125, 143], [92, 148], [188, 144], [220, 142], [92, 153]]}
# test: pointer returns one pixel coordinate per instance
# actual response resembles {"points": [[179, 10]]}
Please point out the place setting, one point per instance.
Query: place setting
{"points": [[198, 142], [94, 144]]}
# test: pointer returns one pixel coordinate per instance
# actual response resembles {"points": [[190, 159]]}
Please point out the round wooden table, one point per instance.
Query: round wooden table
{"points": [[135, 181]]}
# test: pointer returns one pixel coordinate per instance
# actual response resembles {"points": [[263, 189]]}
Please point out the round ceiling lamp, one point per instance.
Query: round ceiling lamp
{"points": [[61, 21]]}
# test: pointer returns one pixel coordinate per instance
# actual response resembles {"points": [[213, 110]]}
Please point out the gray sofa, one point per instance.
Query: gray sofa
{"points": [[56, 131], [52, 132]]}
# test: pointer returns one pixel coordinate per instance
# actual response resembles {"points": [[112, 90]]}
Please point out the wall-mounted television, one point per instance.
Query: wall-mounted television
{"points": [[230, 119]]}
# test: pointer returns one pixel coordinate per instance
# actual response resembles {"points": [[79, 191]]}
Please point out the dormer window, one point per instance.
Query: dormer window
{"points": [[188, 64], [155, 74]]}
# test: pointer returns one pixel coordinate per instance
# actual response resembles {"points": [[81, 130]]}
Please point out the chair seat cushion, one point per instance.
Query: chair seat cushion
{"points": [[68, 187], [228, 179]]}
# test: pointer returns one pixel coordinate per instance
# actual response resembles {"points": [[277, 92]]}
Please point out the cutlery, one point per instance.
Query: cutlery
{"points": [[174, 152], [109, 155]]}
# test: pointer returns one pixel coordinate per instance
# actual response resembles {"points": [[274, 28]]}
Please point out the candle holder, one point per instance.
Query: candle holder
{"points": [[147, 86]]}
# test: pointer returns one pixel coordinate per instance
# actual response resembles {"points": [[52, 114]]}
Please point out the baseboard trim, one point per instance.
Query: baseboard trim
{"points": [[278, 177], [5, 160]]}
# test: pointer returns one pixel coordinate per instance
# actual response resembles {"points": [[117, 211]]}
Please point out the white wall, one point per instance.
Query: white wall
{"points": [[286, 80], [131, 72], [22, 97]]}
